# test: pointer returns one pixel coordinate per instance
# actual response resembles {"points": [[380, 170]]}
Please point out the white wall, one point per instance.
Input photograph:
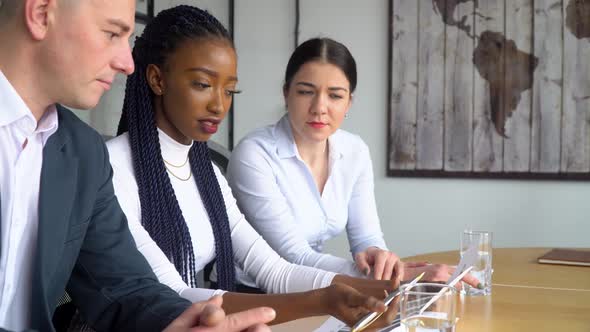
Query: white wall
{"points": [[264, 39], [418, 215]]}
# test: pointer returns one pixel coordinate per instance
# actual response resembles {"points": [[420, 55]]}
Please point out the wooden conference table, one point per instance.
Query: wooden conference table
{"points": [[526, 296]]}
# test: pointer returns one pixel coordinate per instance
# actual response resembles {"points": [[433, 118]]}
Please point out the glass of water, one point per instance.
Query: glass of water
{"points": [[482, 269], [428, 307]]}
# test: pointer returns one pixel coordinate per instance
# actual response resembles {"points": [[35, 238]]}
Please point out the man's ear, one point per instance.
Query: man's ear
{"points": [[38, 16], [155, 79]]}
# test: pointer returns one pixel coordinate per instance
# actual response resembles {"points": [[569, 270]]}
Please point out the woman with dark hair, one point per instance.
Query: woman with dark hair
{"points": [[179, 207], [302, 181]]}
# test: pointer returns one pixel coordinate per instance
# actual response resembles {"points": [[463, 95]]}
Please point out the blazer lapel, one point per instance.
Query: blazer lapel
{"points": [[58, 186]]}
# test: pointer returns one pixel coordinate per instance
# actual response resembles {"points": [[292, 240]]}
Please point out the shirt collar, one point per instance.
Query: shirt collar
{"points": [[48, 124], [286, 147], [13, 108]]}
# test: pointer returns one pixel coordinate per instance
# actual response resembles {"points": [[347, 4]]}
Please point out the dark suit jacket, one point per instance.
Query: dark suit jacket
{"points": [[84, 245]]}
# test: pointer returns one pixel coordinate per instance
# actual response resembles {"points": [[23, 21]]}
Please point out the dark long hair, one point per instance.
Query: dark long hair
{"points": [[323, 50], [160, 213]]}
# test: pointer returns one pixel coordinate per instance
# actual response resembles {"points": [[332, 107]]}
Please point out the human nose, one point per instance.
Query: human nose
{"points": [[216, 104], [319, 104], [123, 62]]}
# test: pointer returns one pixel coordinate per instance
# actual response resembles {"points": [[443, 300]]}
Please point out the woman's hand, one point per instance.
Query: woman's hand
{"points": [[376, 288], [349, 305], [435, 273], [382, 263]]}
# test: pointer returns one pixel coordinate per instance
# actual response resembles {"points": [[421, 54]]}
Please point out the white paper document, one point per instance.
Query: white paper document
{"points": [[469, 259], [332, 325]]}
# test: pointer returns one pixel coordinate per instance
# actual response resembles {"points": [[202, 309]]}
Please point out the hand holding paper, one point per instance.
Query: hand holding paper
{"points": [[468, 260]]}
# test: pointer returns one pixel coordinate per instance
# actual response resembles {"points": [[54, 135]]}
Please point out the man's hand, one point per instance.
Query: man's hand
{"points": [[209, 317]]}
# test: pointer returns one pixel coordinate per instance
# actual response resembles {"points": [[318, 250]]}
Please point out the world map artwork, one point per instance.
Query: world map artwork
{"points": [[508, 70], [490, 88], [578, 18]]}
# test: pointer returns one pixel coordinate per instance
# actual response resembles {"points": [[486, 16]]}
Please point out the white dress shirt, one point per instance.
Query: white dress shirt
{"points": [[277, 192], [21, 156], [251, 253]]}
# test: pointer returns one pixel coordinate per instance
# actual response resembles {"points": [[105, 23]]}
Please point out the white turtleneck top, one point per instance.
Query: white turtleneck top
{"points": [[251, 253]]}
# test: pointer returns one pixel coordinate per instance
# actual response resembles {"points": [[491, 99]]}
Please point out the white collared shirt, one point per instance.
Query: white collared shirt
{"points": [[277, 192], [251, 253], [21, 156]]}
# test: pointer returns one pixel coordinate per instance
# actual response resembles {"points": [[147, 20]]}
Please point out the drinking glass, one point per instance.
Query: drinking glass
{"points": [[482, 269], [438, 316]]}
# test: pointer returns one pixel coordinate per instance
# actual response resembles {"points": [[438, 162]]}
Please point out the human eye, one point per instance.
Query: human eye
{"points": [[201, 85], [304, 92], [111, 35], [232, 92], [336, 96]]}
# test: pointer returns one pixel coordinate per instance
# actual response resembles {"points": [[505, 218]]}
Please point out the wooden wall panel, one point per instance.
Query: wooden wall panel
{"points": [[459, 90], [404, 84], [547, 87], [488, 147], [575, 156], [431, 64], [520, 66]]}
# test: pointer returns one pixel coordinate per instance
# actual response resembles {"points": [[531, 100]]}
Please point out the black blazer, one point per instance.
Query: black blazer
{"points": [[84, 245]]}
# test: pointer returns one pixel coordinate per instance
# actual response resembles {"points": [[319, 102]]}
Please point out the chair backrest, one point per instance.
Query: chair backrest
{"points": [[219, 155]]}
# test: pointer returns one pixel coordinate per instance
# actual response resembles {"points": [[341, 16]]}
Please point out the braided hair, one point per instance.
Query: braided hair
{"points": [[160, 213]]}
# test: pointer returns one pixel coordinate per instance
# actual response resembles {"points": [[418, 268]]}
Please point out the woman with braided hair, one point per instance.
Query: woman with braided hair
{"points": [[179, 207]]}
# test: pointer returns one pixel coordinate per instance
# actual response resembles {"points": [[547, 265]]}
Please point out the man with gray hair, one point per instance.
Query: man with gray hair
{"points": [[62, 227]]}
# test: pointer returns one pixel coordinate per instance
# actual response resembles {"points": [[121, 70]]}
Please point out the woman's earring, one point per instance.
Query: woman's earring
{"points": [[346, 115]]}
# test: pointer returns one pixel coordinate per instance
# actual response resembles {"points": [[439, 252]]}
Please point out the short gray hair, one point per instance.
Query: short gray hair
{"points": [[8, 8]]}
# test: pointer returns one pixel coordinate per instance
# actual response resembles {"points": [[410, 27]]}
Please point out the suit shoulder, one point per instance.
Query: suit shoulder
{"points": [[80, 132]]}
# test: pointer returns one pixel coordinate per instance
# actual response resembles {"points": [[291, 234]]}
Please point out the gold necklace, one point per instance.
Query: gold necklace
{"points": [[177, 166], [190, 174]]}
